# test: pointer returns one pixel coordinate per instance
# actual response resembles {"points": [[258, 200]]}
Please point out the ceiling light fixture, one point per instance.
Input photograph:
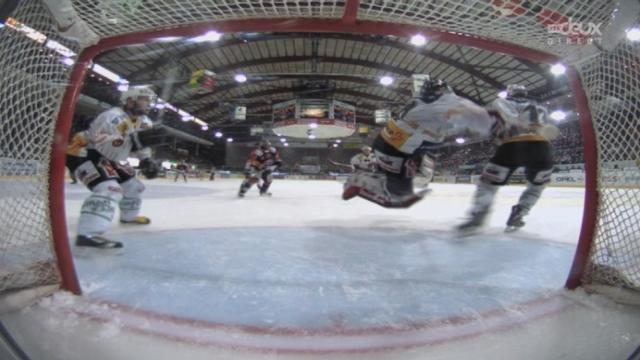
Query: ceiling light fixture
{"points": [[633, 34], [418, 40], [386, 80], [558, 115], [208, 36], [558, 69]]}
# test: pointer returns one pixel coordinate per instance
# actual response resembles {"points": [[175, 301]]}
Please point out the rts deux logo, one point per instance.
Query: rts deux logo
{"points": [[575, 32]]}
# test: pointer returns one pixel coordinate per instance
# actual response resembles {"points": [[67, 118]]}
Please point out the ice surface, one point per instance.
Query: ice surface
{"points": [[304, 274]]}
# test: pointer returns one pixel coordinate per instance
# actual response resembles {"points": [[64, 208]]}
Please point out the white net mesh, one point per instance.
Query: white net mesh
{"points": [[612, 83], [33, 85], [517, 22], [114, 17]]}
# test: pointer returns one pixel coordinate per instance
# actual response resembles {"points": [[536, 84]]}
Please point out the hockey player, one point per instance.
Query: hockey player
{"points": [[402, 145], [182, 169], [260, 166], [112, 136], [363, 161], [523, 135]]}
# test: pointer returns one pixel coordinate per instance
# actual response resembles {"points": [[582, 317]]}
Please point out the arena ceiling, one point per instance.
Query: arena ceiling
{"points": [[345, 67]]}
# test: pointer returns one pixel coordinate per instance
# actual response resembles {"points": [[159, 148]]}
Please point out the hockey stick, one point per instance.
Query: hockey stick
{"points": [[340, 164]]}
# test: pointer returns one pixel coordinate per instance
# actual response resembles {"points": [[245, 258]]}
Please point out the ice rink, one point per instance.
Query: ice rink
{"points": [[306, 275]]}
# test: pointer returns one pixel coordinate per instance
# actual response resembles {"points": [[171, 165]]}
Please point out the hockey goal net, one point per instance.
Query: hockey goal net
{"points": [[38, 91]]}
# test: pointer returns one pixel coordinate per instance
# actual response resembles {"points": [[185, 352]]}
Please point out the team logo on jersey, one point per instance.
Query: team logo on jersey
{"points": [[123, 127], [117, 142], [394, 135]]}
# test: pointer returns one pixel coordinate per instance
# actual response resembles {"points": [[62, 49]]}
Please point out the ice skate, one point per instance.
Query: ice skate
{"points": [[473, 225], [515, 219], [139, 220], [264, 190], [88, 245]]}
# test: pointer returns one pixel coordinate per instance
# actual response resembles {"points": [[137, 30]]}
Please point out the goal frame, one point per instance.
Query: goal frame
{"points": [[347, 24]]}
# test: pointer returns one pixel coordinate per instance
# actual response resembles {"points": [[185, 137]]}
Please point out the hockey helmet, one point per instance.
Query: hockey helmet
{"points": [[432, 90], [516, 92], [265, 145], [137, 92]]}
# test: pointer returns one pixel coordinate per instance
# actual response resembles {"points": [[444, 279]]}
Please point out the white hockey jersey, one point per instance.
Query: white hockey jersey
{"points": [[518, 120], [362, 162], [109, 134], [432, 122]]}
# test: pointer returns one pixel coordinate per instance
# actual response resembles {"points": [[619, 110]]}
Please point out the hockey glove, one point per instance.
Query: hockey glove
{"points": [[149, 168]]}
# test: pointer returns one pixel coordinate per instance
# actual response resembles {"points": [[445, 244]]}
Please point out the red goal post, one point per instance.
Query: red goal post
{"points": [[38, 96]]}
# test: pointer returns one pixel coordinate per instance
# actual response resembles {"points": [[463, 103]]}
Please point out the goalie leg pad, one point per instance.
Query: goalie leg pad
{"points": [[99, 208], [425, 172], [388, 158], [389, 163], [373, 187], [352, 186], [131, 201]]}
